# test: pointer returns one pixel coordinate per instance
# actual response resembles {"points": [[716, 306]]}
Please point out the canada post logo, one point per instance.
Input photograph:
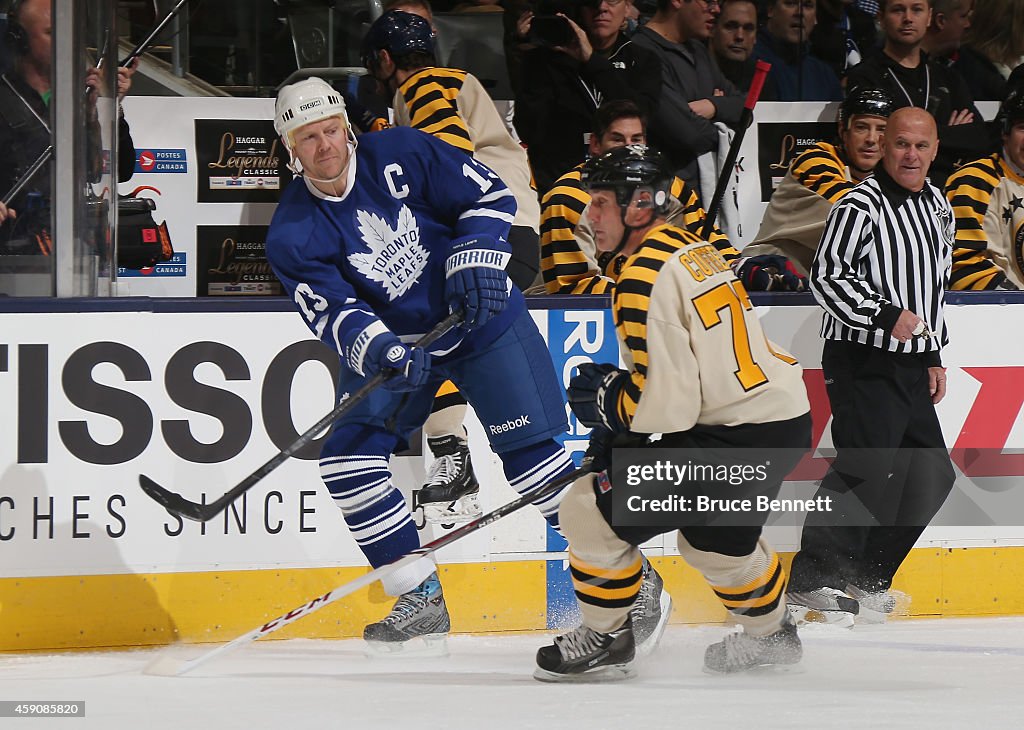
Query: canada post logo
{"points": [[175, 267], [152, 160]]}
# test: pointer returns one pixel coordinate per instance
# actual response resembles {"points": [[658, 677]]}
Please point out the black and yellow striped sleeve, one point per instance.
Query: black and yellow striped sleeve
{"points": [[564, 266], [631, 303], [821, 171], [969, 191], [431, 96], [693, 218]]}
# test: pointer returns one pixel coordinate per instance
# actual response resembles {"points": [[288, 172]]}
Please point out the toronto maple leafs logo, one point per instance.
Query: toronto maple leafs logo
{"points": [[396, 259]]}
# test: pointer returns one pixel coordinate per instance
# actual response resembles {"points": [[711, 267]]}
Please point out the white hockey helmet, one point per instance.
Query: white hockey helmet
{"points": [[309, 100]]}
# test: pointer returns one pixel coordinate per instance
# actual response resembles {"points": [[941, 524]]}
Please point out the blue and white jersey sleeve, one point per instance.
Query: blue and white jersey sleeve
{"points": [[470, 195], [327, 302]]}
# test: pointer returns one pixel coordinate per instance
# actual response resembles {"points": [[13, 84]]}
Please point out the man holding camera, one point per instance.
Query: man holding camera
{"points": [[577, 58]]}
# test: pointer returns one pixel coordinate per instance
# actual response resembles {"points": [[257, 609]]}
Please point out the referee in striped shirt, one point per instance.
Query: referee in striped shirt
{"points": [[880, 273]]}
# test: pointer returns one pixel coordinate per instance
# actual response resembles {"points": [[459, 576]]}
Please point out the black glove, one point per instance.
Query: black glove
{"points": [[770, 272], [599, 451], [594, 396]]}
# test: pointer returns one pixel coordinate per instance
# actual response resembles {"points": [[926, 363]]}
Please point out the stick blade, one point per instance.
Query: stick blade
{"points": [[172, 502], [169, 663]]}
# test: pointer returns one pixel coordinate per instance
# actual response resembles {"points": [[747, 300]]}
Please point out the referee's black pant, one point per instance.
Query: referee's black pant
{"points": [[891, 474]]}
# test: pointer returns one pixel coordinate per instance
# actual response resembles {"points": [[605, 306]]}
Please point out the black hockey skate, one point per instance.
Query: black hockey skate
{"points": [[740, 651], [585, 655], [418, 622], [451, 494], [650, 612]]}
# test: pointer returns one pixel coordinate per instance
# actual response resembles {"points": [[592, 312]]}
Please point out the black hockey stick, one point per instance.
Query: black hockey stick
{"points": [[169, 665], [201, 512], [746, 117]]}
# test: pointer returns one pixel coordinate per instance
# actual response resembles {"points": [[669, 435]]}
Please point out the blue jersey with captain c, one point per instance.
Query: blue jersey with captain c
{"points": [[375, 257]]}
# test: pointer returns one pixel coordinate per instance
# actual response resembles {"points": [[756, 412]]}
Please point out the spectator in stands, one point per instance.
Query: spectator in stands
{"points": [[732, 42], [987, 196], [795, 218], [576, 64], [950, 20], [904, 70], [695, 93], [844, 35], [784, 42], [26, 95], [479, 6], [993, 47], [569, 261]]}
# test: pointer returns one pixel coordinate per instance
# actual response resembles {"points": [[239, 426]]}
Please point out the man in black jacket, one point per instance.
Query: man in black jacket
{"points": [[695, 93], [26, 98], [565, 80], [914, 79]]}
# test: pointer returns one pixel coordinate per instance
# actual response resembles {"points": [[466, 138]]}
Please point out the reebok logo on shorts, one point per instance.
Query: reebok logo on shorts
{"points": [[507, 426]]}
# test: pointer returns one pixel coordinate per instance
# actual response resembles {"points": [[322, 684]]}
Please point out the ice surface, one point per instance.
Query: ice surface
{"points": [[940, 674]]}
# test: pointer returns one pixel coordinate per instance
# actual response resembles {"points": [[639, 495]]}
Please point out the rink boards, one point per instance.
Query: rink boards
{"points": [[198, 394]]}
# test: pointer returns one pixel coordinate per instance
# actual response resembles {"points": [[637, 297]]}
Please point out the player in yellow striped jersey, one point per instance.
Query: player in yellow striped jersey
{"points": [[568, 261], [703, 375], [450, 104], [987, 196], [795, 218]]}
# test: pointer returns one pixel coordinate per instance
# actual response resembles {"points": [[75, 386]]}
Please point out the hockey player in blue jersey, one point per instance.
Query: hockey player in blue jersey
{"points": [[376, 245]]}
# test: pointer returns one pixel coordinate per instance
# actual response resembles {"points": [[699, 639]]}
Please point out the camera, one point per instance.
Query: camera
{"points": [[551, 30]]}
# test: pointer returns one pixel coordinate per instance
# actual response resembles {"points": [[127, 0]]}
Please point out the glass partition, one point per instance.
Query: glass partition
{"points": [[58, 135]]}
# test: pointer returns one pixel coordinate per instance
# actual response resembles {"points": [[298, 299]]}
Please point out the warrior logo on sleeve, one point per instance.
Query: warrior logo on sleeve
{"points": [[396, 259]]}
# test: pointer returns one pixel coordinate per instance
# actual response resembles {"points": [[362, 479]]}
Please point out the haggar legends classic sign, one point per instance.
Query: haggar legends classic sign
{"points": [[779, 143], [233, 261], [239, 161]]}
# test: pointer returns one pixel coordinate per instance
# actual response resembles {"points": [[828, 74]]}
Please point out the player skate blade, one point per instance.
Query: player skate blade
{"points": [[870, 616], [646, 647], [462, 510], [610, 673], [429, 645], [760, 670], [802, 616]]}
